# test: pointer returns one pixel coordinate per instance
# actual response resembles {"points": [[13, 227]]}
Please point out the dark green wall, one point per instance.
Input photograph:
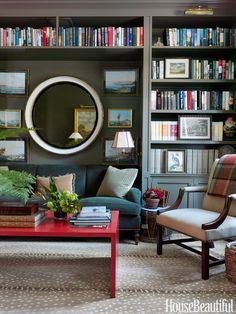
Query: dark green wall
{"points": [[92, 73]]}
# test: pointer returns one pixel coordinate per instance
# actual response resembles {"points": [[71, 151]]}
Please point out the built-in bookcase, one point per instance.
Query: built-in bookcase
{"points": [[192, 75]]}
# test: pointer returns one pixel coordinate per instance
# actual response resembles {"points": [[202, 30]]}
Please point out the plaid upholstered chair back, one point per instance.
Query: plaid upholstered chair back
{"points": [[222, 182]]}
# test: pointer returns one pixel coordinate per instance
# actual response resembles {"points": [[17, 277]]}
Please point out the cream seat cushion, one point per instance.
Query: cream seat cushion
{"points": [[117, 182]]}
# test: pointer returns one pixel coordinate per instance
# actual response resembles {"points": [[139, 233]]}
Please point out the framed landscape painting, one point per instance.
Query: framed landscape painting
{"points": [[13, 82], [195, 127], [85, 120], [120, 118], [121, 81], [13, 150], [10, 118], [118, 155], [177, 68]]}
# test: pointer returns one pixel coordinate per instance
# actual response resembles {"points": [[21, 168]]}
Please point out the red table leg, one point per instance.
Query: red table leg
{"points": [[114, 240]]}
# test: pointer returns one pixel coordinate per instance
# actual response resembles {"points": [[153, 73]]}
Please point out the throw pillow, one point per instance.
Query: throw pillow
{"points": [[117, 182], [63, 183]]}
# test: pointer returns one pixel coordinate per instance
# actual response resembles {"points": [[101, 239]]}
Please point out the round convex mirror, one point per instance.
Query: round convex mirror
{"points": [[65, 113]]}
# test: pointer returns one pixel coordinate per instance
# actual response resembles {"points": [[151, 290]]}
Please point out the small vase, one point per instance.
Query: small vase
{"points": [[152, 202], [59, 215]]}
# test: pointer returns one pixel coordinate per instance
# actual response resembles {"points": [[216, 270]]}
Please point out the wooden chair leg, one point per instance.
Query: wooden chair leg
{"points": [[205, 260], [159, 239], [136, 237]]}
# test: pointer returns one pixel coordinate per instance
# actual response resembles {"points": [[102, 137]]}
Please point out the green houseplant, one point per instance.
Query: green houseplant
{"points": [[17, 184], [61, 203]]}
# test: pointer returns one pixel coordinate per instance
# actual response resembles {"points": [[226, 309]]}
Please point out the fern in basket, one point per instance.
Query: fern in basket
{"points": [[16, 184]]}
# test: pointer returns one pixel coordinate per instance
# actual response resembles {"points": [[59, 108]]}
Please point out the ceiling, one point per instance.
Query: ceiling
{"points": [[164, 7]]}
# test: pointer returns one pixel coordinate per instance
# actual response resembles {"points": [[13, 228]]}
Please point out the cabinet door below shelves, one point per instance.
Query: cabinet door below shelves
{"points": [[174, 183]]}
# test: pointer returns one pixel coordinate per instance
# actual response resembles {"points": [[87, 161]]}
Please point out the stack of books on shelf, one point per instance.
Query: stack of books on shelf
{"points": [[92, 216], [16, 214]]}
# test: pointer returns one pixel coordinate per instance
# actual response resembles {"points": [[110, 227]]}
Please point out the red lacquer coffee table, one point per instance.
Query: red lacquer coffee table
{"points": [[52, 228]]}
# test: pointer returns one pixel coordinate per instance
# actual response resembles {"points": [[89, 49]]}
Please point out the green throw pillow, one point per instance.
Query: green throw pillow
{"points": [[117, 182]]}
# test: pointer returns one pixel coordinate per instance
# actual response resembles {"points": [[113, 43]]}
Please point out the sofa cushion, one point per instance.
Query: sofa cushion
{"points": [[125, 207], [63, 183], [117, 182], [47, 170]]}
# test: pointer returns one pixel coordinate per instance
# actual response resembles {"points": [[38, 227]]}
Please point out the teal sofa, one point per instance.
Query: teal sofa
{"points": [[87, 183]]}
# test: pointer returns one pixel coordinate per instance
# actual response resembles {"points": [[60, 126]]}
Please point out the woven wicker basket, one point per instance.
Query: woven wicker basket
{"points": [[230, 261]]}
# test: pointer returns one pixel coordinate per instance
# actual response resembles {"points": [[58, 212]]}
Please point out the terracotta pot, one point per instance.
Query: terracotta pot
{"points": [[152, 202], [59, 215]]}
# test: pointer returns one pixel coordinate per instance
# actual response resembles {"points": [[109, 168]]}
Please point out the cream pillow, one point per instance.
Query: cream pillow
{"points": [[63, 183], [117, 182]]}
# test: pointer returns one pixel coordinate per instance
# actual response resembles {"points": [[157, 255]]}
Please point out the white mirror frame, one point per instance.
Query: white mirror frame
{"points": [[30, 106]]}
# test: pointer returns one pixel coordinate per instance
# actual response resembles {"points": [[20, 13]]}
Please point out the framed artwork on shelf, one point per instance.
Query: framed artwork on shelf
{"points": [[13, 82], [175, 161], [85, 120], [118, 155], [119, 118], [13, 150], [177, 68], [10, 118], [121, 81], [195, 127]]}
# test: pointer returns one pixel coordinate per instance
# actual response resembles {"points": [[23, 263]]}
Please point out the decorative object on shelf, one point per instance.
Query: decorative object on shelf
{"points": [[121, 81], [16, 184], [195, 127], [158, 43], [199, 10], [177, 68], [120, 118], [13, 82], [61, 203], [229, 127], [13, 150], [152, 197], [10, 118], [175, 161], [225, 150]]}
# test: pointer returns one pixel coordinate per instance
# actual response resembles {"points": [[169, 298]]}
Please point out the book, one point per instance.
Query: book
{"points": [[21, 224], [93, 211], [17, 208], [23, 218]]}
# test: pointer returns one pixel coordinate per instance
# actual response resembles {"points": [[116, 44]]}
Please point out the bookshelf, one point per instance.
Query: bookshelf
{"points": [[206, 89]]}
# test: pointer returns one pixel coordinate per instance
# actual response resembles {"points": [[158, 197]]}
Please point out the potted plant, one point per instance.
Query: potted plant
{"points": [[152, 197], [17, 184], [61, 203]]}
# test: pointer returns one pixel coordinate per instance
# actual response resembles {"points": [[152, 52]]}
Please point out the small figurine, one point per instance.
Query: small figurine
{"points": [[229, 127]]}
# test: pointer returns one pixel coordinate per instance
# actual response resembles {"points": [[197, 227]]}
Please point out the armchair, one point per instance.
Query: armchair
{"points": [[214, 221]]}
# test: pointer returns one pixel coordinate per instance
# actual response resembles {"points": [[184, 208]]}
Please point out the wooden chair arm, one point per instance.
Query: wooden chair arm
{"points": [[177, 202], [220, 219]]}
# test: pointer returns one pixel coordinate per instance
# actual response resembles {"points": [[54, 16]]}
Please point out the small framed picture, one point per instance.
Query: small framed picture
{"points": [[121, 81], [13, 82], [195, 127], [177, 68], [120, 118], [13, 150], [85, 118], [10, 118], [175, 161], [118, 155]]}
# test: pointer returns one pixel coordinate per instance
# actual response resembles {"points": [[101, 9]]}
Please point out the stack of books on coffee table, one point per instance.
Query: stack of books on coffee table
{"points": [[16, 214], [92, 216]]}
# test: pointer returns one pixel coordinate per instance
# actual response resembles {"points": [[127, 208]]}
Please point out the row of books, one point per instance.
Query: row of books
{"points": [[92, 216], [197, 161], [28, 36], [192, 100], [168, 130], [200, 37], [108, 36], [201, 69], [14, 214]]}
